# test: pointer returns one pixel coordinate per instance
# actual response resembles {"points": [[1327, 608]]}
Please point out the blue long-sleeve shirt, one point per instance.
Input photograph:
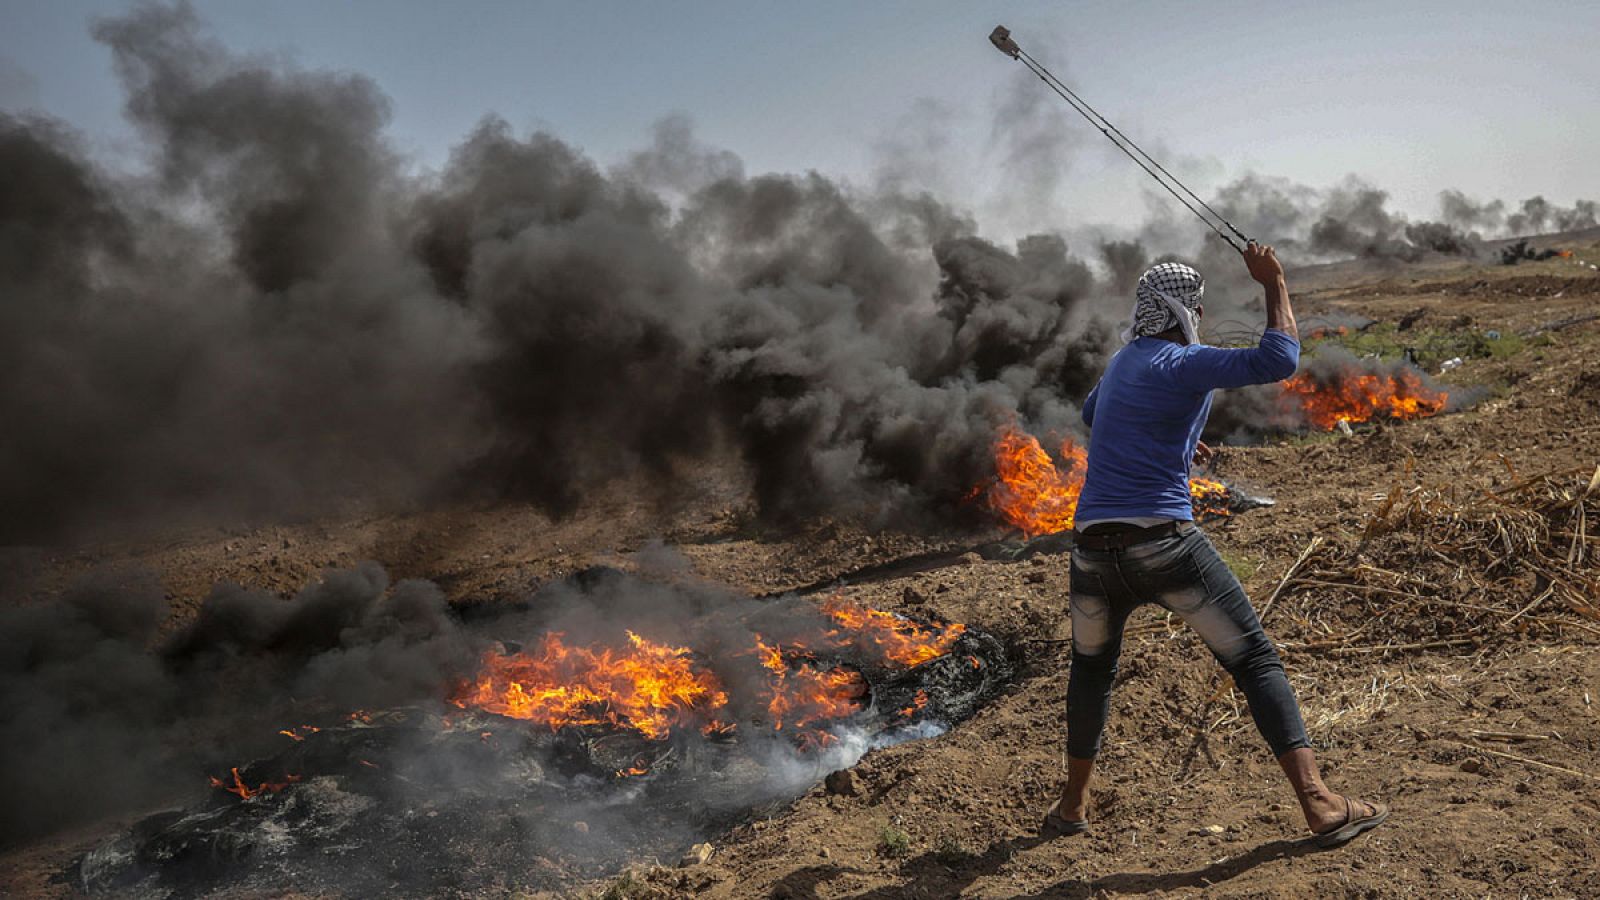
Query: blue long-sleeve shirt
{"points": [[1146, 414]]}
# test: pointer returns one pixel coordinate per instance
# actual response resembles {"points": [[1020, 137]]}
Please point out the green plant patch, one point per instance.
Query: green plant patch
{"points": [[893, 843]]}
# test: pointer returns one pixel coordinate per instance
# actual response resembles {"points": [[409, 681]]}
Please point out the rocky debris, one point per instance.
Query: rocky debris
{"points": [[843, 783], [695, 855]]}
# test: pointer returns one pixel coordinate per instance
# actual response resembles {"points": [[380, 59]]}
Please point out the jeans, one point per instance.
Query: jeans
{"points": [[1184, 574]]}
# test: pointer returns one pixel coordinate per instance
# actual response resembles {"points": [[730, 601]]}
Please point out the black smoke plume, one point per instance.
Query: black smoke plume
{"points": [[101, 712], [281, 318]]}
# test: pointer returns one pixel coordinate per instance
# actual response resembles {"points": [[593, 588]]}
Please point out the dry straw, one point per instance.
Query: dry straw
{"points": [[1449, 568]]}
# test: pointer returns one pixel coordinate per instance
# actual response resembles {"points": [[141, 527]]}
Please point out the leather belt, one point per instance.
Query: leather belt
{"points": [[1122, 539]]}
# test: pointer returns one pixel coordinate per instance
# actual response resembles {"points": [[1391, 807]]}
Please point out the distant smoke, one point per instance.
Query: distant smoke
{"points": [[1462, 212], [1539, 216], [1536, 215], [1350, 219]]}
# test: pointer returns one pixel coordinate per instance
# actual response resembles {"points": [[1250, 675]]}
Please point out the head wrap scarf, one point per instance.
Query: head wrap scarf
{"points": [[1168, 295]]}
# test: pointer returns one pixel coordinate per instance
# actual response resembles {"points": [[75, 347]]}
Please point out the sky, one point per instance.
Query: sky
{"points": [[1491, 98]]}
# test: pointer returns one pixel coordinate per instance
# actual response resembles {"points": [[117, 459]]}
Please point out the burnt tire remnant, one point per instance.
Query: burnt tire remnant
{"points": [[419, 801]]}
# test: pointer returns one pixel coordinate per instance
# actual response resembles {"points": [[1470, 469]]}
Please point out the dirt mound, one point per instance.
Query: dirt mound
{"points": [[1516, 286]]}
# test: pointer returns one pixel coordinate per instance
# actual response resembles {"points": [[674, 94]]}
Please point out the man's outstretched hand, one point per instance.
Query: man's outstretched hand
{"points": [[1203, 454], [1263, 264]]}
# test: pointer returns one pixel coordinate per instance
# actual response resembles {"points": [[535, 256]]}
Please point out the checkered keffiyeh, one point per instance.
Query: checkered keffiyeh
{"points": [[1167, 297]]}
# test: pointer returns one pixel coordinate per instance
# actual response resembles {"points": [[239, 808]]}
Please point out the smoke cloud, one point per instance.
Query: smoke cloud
{"points": [[280, 317], [101, 712]]}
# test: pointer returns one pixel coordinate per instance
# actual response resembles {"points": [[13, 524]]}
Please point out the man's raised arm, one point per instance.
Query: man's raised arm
{"points": [[1268, 272]]}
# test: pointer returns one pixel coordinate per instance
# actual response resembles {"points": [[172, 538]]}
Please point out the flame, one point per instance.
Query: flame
{"points": [[1210, 497], [803, 694], [654, 688], [1353, 396], [895, 638], [1564, 254], [1036, 495], [1327, 331], [647, 686], [299, 733], [1031, 491], [245, 792], [917, 703]]}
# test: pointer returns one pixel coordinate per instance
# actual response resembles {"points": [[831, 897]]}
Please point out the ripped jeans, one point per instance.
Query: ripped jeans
{"points": [[1184, 574]]}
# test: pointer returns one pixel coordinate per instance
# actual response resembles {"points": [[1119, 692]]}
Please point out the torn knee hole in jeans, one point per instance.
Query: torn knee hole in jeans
{"points": [[1187, 600], [1089, 630]]}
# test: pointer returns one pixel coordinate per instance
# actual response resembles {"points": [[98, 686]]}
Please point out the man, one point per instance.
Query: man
{"points": [[1137, 541]]}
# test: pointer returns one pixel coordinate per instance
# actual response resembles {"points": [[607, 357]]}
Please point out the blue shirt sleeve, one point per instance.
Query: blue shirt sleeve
{"points": [[1088, 405], [1203, 368]]}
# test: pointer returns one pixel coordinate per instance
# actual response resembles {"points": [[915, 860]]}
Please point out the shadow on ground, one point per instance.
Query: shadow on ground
{"points": [[937, 874]]}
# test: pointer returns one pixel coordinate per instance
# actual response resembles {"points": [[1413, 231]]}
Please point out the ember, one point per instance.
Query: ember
{"points": [[1327, 331], [1039, 496], [244, 792], [917, 703], [1352, 396]]}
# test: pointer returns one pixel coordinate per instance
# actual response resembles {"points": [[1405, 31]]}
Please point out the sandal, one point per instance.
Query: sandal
{"points": [[1056, 826], [1352, 824]]}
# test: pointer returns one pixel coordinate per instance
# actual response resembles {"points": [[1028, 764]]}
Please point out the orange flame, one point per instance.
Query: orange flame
{"points": [[1564, 254], [654, 688], [1354, 396], [1036, 495], [299, 733], [1031, 491], [917, 702], [1327, 331], [647, 686], [896, 639], [1210, 497], [245, 792], [803, 694]]}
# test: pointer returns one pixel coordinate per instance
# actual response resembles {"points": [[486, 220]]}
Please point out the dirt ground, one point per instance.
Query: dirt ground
{"points": [[1189, 799]]}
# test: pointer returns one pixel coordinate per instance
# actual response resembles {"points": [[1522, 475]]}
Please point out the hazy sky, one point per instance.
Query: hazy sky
{"points": [[1494, 98]]}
